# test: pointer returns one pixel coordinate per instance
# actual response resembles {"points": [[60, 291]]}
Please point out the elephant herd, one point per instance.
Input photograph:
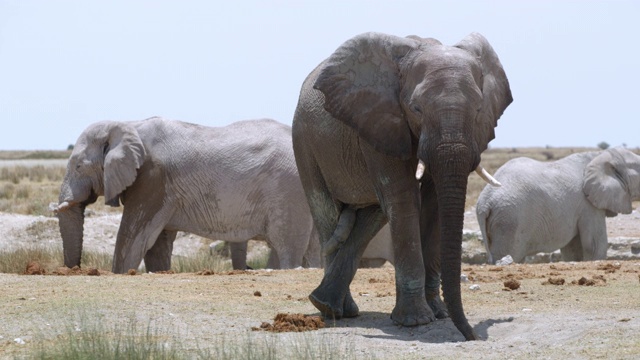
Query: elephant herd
{"points": [[384, 136]]}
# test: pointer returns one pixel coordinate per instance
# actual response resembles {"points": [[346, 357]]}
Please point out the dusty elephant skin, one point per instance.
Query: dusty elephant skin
{"points": [[376, 110], [232, 183], [558, 205]]}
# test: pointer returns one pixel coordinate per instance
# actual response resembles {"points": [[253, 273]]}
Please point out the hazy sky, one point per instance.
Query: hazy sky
{"points": [[573, 65]]}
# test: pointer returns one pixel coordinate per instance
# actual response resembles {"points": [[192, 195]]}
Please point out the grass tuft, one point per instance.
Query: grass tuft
{"points": [[91, 338], [50, 257]]}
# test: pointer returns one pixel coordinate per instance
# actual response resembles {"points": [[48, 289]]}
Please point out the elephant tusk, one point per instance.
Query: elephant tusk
{"points": [[420, 170], [60, 207], [484, 174]]}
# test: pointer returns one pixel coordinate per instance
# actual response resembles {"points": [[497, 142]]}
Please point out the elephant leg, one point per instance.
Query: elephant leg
{"points": [[273, 262], [139, 229], [430, 240], [593, 236], [158, 258], [238, 254], [288, 245], [573, 250], [333, 297]]}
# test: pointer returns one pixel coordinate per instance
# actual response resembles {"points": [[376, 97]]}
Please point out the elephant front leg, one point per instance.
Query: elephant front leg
{"points": [[158, 258], [333, 297], [138, 232], [411, 298]]}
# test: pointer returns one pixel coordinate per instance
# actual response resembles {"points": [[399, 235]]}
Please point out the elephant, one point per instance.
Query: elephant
{"points": [[545, 206], [231, 183], [387, 130]]}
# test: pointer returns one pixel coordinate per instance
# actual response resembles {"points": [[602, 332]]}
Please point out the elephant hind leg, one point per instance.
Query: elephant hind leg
{"points": [[333, 297], [573, 250], [158, 258], [238, 254]]}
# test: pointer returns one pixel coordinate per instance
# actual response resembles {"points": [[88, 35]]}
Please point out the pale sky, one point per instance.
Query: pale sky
{"points": [[573, 66]]}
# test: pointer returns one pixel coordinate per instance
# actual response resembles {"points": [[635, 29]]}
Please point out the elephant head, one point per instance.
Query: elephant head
{"points": [[104, 162], [612, 181], [418, 100]]}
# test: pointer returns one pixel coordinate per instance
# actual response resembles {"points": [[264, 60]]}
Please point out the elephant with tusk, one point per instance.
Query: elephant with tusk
{"points": [[230, 183], [545, 206], [378, 113]]}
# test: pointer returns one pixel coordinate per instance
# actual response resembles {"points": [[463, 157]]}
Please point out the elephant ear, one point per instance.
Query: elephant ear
{"points": [[606, 183], [361, 84], [124, 156], [496, 93]]}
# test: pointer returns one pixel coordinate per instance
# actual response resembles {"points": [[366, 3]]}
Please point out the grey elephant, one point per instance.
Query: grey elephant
{"points": [[380, 112], [231, 183], [545, 206]]}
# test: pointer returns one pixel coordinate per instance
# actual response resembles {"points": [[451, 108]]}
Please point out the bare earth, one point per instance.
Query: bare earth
{"points": [[595, 313]]}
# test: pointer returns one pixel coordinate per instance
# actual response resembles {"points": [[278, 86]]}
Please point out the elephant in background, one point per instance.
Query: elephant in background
{"points": [[379, 113], [545, 206], [231, 183]]}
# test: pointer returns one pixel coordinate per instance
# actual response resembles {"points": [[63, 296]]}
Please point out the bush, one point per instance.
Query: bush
{"points": [[603, 145]]}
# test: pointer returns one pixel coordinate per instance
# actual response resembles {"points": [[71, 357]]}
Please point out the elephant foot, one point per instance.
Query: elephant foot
{"points": [[350, 308], [328, 310], [412, 313], [332, 307], [437, 306]]}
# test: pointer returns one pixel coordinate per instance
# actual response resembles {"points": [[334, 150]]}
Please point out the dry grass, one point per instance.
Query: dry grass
{"points": [[29, 190], [37, 154]]}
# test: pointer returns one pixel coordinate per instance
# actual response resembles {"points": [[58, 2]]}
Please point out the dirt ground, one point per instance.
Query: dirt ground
{"points": [[558, 310]]}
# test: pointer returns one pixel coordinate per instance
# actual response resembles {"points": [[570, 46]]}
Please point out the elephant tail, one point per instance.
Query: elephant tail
{"points": [[483, 217], [345, 224]]}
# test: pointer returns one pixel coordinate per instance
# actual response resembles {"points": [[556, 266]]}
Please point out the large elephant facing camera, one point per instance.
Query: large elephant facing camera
{"points": [[231, 183], [545, 206], [379, 112]]}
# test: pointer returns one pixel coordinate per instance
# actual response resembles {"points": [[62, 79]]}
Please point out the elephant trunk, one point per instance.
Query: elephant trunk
{"points": [[71, 222], [452, 165], [73, 200]]}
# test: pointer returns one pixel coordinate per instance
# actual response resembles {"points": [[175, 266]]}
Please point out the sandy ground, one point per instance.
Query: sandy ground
{"points": [[595, 313]]}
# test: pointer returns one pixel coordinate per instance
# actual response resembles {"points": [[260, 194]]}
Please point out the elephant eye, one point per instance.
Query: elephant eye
{"points": [[415, 108], [106, 148]]}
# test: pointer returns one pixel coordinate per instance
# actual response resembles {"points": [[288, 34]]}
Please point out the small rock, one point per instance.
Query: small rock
{"points": [[257, 293], [474, 287], [507, 260], [19, 341], [464, 278]]}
